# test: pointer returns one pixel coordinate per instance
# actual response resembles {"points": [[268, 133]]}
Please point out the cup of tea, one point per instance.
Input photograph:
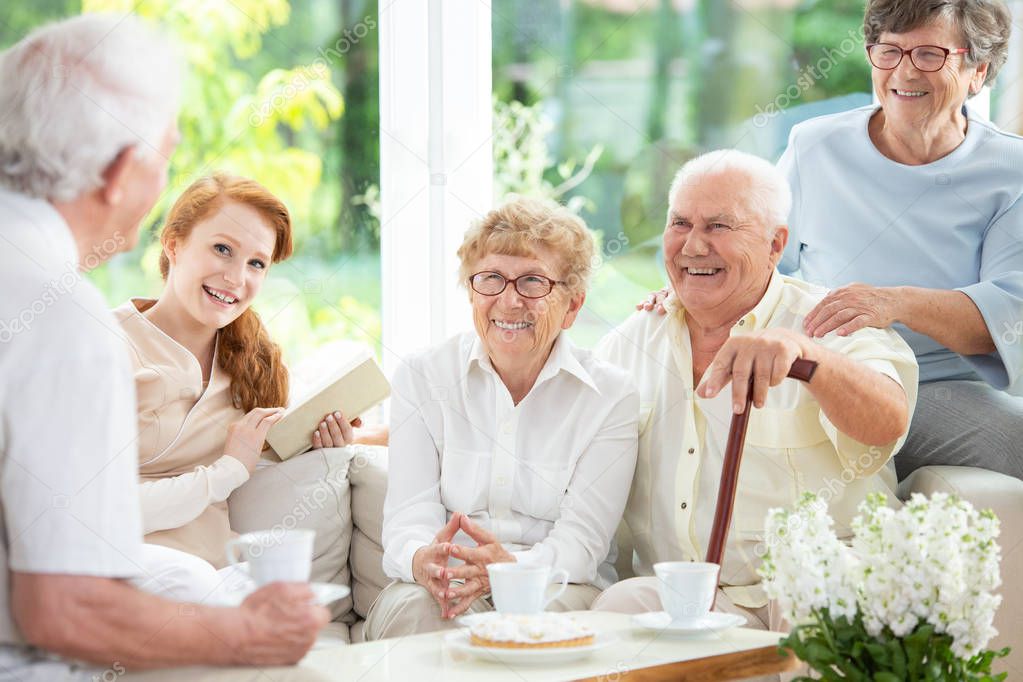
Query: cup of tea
{"points": [[274, 555], [687, 588], [522, 588]]}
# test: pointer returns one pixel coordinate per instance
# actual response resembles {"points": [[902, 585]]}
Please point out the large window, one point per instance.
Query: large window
{"points": [[605, 99], [593, 102], [620, 93], [284, 92]]}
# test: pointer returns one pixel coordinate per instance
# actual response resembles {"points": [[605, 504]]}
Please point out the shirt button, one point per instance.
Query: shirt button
{"points": [[506, 429], [692, 451], [501, 480], [684, 505], [742, 322]]}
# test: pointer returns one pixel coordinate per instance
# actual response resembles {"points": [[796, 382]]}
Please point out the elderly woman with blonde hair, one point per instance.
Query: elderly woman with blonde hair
{"points": [[508, 444]]}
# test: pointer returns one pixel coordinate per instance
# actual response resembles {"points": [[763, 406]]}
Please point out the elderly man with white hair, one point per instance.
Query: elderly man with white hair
{"points": [[87, 123], [732, 316]]}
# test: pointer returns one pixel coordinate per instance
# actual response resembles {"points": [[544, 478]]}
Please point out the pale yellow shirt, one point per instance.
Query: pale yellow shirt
{"points": [[791, 446]]}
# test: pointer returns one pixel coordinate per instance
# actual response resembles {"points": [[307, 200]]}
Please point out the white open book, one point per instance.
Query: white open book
{"points": [[355, 386]]}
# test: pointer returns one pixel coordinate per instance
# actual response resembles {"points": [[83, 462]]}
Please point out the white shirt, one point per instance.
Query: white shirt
{"points": [[791, 445], [549, 476], [68, 462]]}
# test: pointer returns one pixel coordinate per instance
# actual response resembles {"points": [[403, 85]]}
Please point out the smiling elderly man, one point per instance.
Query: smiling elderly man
{"points": [[731, 316]]}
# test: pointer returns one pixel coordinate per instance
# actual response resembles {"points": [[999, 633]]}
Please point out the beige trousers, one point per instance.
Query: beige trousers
{"points": [[408, 609], [639, 595]]}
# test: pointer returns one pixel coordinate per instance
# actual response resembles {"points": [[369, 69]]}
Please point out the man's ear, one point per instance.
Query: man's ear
{"points": [[115, 176], [778, 241]]}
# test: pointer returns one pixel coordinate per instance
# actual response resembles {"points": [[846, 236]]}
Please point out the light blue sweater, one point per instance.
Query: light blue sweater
{"points": [[957, 223]]}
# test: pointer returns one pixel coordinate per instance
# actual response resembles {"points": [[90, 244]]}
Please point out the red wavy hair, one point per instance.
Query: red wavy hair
{"points": [[245, 350]]}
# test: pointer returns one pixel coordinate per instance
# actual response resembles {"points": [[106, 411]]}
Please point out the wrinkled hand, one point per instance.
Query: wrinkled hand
{"points": [[335, 431], [429, 563], [655, 301], [474, 572], [850, 308], [246, 436], [766, 356], [281, 624]]}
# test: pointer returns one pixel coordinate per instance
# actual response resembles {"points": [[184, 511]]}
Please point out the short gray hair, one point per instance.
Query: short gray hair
{"points": [[985, 25], [769, 196], [73, 94]]}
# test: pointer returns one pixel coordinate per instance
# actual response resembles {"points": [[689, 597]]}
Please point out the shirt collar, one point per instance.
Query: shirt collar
{"points": [[49, 223], [562, 358], [756, 318]]}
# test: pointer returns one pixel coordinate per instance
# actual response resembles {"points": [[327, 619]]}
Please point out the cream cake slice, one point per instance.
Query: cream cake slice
{"points": [[534, 631]]}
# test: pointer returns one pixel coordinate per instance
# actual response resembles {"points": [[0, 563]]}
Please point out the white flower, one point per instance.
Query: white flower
{"points": [[934, 560], [806, 567]]}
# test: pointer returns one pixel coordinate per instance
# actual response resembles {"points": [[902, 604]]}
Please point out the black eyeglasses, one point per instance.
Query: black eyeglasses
{"points": [[924, 57], [528, 285]]}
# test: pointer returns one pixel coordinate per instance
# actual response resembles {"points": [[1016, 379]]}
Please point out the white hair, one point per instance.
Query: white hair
{"points": [[74, 94], [769, 195]]}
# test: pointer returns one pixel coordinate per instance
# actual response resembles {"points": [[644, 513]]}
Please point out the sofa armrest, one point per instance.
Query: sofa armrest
{"points": [[1004, 496]]}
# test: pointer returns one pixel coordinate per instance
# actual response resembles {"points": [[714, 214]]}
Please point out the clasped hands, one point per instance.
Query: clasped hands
{"points": [[430, 565]]}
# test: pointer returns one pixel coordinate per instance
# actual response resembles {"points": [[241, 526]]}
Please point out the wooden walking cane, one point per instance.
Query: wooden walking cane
{"points": [[802, 370]]}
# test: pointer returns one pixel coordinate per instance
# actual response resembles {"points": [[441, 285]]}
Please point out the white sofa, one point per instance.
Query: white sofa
{"points": [[340, 493]]}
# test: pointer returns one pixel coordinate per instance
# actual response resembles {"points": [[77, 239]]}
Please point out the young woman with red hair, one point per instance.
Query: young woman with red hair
{"points": [[209, 380]]}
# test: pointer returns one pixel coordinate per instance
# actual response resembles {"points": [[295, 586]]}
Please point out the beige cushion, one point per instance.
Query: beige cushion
{"points": [[367, 577], [308, 491], [368, 477], [333, 634], [358, 634], [624, 547], [1004, 496]]}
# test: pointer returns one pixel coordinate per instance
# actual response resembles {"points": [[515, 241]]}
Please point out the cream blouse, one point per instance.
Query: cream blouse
{"points": [[185, 477]]}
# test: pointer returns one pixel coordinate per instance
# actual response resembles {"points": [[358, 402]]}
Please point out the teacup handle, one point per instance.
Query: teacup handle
{"points": [[230, 549], [563, 579]]}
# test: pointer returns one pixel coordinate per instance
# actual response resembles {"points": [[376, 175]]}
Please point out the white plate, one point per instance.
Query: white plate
{"points": [[689, 627], [459, 642], [323, 594]]}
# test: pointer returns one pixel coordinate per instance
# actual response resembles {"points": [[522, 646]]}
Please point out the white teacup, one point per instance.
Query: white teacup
{"points": [[687, 588], [521, 588], [275, 555]]}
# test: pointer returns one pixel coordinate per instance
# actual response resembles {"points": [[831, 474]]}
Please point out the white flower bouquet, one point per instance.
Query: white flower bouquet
{"points": [[911, 599]]}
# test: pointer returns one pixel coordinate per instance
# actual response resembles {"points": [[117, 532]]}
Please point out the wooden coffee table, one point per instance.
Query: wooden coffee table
{"points": [[637, 655]]}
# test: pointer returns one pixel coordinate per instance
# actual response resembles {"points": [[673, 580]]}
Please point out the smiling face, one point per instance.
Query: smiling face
{"points": [[718, 254], [519, 332], [216, 272], [911, 96]]}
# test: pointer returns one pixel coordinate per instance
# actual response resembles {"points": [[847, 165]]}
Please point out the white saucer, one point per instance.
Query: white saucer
{"points": [[460, 644], [323, 593], [687, 627]]}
